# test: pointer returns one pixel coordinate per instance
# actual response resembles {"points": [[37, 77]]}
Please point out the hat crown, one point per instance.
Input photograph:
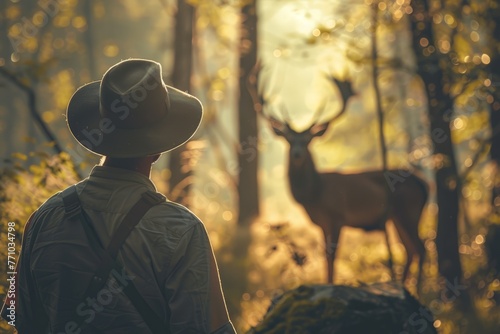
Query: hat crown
{"points": [[132, 113], [133, 94]]}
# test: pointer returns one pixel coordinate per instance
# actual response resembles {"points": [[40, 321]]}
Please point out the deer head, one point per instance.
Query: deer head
{"points": [[299, 141]]}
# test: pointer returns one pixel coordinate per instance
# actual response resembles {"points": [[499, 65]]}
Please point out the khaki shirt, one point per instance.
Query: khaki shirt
{"points": [[168, 256]]}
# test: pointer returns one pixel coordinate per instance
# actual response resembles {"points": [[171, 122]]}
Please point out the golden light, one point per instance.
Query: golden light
{"points": [[424, 42], [316, 32], [39, 18], [468, 162], [217, 95], [14, 57], [398, 14], [444, 46], [479, 239], [277, 53], [382, 6], [487, 82], [485, 59], [462, 69], [437, 18], [227, 215], [476, 195], [437, 323], [463, 249], [79, 22], [417, 154], [449, 19], [474, 36], [48, 116], [13, 12], [224, 72], [458, 123], [111, 50]]}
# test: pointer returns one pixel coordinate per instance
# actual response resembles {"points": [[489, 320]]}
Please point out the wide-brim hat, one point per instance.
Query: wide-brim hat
{"points": [[132, 113]]}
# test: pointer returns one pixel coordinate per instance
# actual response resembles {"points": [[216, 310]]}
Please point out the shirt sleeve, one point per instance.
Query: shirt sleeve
{"points": [[19, 310], [193, 288]]}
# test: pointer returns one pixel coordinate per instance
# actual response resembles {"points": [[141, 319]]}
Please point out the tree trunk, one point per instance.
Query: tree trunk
{"points": [[248, 200], [440, 106], [493, 70], [181, 79], [89, 39]]}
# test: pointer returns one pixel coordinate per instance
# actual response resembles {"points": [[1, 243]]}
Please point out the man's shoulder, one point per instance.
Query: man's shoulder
{"points": [[173, 217], [55, 202]]}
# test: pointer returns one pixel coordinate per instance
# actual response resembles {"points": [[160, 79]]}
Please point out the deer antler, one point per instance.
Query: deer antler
{"points": [[346, 92], [257, 96]]}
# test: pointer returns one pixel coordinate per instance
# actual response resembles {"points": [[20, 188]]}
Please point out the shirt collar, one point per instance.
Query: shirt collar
{"points": [[122, 175]]}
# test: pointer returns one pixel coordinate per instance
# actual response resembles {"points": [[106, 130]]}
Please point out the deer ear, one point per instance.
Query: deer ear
{"points": [[278, 127], [318, 130]]}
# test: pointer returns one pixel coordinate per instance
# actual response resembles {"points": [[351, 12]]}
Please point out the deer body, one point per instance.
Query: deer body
{"points": [[362, 200]]}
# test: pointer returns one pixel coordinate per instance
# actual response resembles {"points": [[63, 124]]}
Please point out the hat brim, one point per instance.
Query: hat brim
{"points": [[104, 138]]}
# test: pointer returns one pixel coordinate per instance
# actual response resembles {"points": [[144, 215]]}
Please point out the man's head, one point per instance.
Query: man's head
{"points": [[131, 113]]}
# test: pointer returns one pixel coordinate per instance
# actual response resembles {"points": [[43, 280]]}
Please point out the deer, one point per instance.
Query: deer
{"points": [[365, 200]]}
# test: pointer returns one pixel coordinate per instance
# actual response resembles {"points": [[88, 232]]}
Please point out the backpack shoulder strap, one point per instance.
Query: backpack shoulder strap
{"points": [[146, 202], [108, 261]]}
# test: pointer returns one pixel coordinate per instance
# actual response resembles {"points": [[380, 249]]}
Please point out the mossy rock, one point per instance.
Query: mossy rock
{"points": [[336, 309]]}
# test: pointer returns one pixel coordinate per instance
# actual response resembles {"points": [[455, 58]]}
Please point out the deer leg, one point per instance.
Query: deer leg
{"points": [[331, 243], [389, 251], [412, 243], [421, 260]]}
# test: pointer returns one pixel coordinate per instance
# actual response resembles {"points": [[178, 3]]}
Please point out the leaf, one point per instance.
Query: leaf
{"points": [[20, 156]]}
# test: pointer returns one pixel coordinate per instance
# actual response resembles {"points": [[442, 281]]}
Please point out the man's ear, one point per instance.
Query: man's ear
{"points": [[279, 128], [317, 130]]}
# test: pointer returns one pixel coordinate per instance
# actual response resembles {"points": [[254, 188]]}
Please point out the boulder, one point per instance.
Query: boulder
{"points": [[384, 308]]}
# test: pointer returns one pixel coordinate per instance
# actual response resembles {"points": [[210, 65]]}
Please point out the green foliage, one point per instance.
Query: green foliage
{"points": [[22, 190]]}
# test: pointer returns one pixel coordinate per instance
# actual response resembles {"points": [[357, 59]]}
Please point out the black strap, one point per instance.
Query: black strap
{"points": [[108, 255]]}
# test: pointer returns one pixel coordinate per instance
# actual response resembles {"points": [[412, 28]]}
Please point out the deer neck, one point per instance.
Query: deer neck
{"points": [[304, 181]]}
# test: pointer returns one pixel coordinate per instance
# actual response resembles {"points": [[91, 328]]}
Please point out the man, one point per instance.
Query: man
{"points": [[130, 117]]}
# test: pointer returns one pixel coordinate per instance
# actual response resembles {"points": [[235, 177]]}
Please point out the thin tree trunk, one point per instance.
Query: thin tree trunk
{"points": [[440, 103], [89, 38], [181, 79], [381, 118], [248, 199], [494, 75]]}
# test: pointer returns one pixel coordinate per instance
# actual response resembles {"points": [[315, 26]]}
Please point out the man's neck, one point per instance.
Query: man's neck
{"points": [[142, 166]]}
